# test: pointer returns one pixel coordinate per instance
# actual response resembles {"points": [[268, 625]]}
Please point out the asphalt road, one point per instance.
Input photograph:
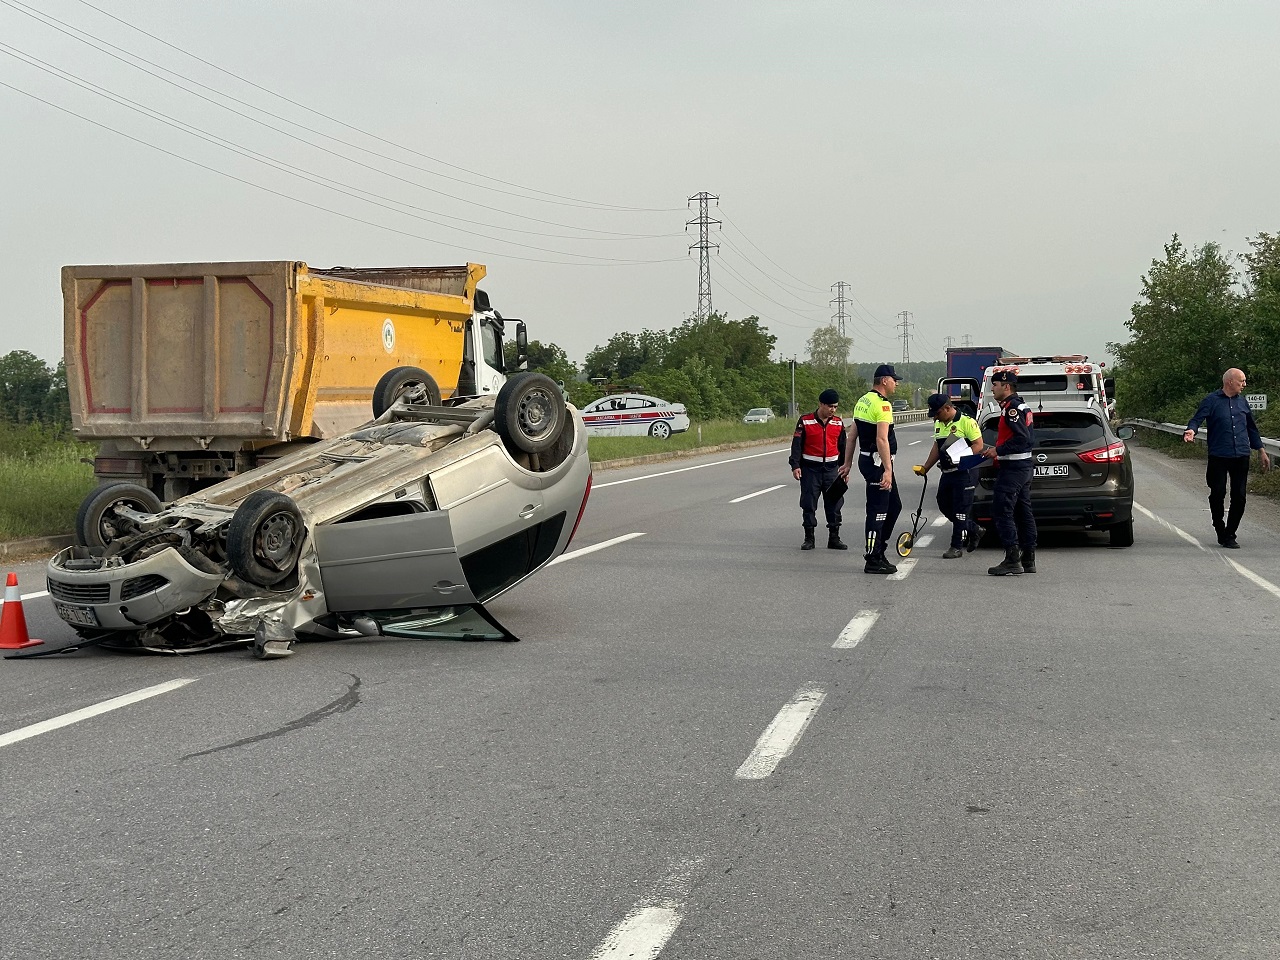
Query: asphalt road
{"points": [[707, 745]]}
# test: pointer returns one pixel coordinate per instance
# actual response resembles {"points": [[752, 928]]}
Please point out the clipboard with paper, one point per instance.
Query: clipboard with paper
{"points": [[957, 448]]}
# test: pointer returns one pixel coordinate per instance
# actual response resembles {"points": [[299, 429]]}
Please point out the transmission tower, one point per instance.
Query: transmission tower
{"points": [[704, 246], [842, 317], [905, 326], [949, 342], [966, 341]]}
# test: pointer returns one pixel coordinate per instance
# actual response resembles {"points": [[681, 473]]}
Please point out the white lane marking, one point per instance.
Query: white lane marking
{"points": [[857, 629], [76, 716], [1250, 575], [643, 933], [35, 596], [759, 493], [594, 547], [904, 570], [914, 442], [781, 736], [940, 522], [924, 541], [1168, 526], [700, 466]]}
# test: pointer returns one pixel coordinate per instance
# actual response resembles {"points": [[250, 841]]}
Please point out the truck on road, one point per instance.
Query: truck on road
{"points": [[188, 373]]}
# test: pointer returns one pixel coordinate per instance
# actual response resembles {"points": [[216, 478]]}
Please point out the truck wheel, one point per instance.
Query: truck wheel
{"points": [[412, 383], [530, 413], [96, 525], [264, 538]]}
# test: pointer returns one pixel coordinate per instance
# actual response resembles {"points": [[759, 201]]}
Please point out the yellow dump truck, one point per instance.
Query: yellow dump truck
{"points": [[187, 373]]}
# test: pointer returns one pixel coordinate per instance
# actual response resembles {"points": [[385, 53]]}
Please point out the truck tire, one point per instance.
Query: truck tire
{"points": [[530, 413], [413, 383], [94, 527], [264, 538]]}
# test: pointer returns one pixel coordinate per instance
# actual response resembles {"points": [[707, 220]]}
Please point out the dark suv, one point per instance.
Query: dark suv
{"points": [[1083, 474]]}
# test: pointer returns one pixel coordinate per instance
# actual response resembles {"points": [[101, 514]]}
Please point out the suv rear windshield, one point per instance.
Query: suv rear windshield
{"points": [[1059, 428]]}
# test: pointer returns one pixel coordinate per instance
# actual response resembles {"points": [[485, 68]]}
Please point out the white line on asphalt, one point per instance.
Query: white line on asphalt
{"points": [[1168, 526], [643, 933], [594, 547], [914, 442], [781, 736], [1250, 575], [700, 466], [904, 570], [941, 521], [857, 629], [35, 596], [924, 541], [759, 493], [76, 716]]}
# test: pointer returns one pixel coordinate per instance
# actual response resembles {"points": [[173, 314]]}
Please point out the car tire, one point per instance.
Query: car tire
{"points": [[264, 538], [92, 526], [1121, 534], [530, 413], [660, 429], [413, 382]]}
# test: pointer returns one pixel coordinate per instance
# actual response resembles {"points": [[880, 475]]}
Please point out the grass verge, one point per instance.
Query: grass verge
{"points": [[42, 482], [713, 433]]}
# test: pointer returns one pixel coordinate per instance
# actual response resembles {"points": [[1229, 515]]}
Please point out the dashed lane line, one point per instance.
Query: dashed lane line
{"points": [[924, 541], [1168, 526], [699, 466], [857, 629], [941, 521], [646, 929], [86, 713], [758, 493], [782, 734], [594, 547], [904, 570]]}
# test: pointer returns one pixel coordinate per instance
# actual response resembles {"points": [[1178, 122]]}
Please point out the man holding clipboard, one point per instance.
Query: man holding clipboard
{"points": [[956, 449]]}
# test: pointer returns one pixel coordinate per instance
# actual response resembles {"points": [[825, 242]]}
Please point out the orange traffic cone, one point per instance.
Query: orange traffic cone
{"points": [[13, 622]]}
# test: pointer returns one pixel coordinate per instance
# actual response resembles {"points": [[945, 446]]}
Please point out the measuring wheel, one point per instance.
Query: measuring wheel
{"points": [[905, 542]]}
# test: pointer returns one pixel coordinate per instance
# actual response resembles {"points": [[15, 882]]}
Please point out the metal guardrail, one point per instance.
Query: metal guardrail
{"points": [[1271, 446]]}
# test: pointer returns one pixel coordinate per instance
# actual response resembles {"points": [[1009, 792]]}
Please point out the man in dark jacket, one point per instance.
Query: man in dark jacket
{"points": [[817, 449], [1232, 434]]}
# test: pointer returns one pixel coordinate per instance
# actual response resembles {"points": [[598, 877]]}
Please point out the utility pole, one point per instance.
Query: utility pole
{"points": [[793, 388], [905, 326], [704, 246]]}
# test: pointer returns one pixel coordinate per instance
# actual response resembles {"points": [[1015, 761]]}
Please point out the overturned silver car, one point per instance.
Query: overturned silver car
{"points": [[403, 527]]}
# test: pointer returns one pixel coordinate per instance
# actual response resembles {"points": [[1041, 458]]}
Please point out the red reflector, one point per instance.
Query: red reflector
{"points": [[1109, 454], [117, 465], [1104, 514]]}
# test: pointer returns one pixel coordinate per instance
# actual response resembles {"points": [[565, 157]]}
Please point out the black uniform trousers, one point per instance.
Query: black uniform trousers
{"points": [[1011, 504], [815, 479], [1216, 475], [883, 507], [955, 498]]}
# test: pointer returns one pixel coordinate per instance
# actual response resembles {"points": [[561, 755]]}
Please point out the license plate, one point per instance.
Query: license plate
{"points": [[1055, 470], [80, 616]]}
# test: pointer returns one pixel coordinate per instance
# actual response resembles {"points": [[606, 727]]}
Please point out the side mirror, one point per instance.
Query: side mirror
{"points": [[522, 345], [1109, 385], [1126, 431]]}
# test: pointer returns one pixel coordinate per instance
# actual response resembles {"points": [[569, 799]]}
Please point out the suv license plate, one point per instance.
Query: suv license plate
{"points": [[1056, 470], [80, 616]]}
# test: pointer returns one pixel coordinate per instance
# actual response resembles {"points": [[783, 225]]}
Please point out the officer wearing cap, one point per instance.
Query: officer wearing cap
{"points": [[873, 418], [1011, 500], [955, 489], [817, 449]]}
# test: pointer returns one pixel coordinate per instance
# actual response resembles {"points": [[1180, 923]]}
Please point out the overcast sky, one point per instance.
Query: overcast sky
{"points": [[1002, 170]]}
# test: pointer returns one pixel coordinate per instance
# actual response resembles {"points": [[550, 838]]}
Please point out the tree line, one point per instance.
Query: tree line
{"points": [[1201, 311], [32, 392]]}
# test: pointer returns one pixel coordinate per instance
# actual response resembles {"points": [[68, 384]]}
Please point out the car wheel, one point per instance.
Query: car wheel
{"points": [[660, 429], [265, 537], [95, 524], [530, 413], [1121, 534], [412, 383]]}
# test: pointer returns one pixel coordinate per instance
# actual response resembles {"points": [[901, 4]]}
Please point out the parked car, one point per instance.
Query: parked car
{"points": [[759, 415], [900, 406], [403, 527], [1083, 476], [634, 415]]}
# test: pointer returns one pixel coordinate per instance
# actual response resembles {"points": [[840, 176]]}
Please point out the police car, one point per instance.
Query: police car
{"points": [[1083, 475], [634, 415]]}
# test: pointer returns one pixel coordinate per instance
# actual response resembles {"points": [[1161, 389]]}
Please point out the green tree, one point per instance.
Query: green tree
{"points": [[625, 355], [25, 384], [545, 358], [724, 344], [829, 351], [1260, 335]]}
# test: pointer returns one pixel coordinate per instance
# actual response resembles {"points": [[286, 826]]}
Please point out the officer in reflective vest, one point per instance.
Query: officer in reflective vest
{"points": [[955, 489], [873, 418], [1011, 501], [817, 448]]}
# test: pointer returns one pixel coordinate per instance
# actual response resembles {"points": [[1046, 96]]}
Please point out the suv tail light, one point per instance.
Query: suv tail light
{"points": [[1113, 453]]}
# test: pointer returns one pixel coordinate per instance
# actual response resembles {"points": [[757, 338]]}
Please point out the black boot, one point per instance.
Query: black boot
{"points": [[1029, 560], [833, 540], [1011, 564], [808, 539]]}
